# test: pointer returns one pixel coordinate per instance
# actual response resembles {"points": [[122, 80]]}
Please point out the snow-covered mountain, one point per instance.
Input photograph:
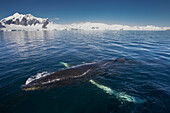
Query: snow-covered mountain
{"points": [[29, 22], [24, 20], [102, 26]]}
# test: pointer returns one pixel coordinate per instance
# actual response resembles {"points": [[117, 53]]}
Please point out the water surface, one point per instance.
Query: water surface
{"points": [[25, 54]]}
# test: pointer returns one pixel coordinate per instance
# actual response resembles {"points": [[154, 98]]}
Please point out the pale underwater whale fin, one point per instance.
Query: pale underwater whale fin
{"points": [[120, 60], [120, 95], [65, 64]]}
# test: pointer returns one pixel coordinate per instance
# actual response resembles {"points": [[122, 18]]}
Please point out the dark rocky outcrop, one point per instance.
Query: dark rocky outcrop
{"points": [[45, 23], [8, 22], [17, 22], [32, 22], [24, 22], [1, 26], [36, 22]]}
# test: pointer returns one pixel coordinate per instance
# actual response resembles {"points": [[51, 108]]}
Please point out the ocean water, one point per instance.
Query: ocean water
{"points": [[24, 54]]}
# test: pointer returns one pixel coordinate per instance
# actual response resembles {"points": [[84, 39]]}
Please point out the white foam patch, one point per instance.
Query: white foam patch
{"points": [[37, 76]]}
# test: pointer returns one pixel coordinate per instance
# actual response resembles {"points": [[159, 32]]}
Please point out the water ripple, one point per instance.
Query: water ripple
{"points": [[24, 54]]}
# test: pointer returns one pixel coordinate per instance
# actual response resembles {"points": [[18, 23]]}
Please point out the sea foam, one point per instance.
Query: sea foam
{"points": [[37, 76]]}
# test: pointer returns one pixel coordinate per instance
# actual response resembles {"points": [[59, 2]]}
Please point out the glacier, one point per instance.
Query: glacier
{"points": [[30, 23]]}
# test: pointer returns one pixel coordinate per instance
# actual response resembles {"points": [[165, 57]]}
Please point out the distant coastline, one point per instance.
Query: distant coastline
{"points": [[20, 22]]}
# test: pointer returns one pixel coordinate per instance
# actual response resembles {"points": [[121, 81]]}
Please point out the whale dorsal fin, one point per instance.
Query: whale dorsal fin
{"points": [[120, 60]]}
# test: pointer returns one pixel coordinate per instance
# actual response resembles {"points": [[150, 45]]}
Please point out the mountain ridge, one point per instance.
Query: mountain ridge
{"points": [[25, 20], [29, 22]]}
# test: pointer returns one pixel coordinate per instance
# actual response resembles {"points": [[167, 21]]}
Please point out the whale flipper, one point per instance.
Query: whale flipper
{"points": [[120, 95], [65, 64]]}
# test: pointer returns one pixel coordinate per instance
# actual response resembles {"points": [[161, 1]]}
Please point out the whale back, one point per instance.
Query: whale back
{"points": [[120, 60]]}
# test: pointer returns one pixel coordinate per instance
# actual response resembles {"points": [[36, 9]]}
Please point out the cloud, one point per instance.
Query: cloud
{"points": [[56, 18]]}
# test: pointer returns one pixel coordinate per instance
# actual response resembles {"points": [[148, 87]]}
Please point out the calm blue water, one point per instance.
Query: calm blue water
{"points": [[25, 54]]}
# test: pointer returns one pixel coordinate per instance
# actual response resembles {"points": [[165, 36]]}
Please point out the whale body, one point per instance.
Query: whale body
{"points": [[68, 75]]}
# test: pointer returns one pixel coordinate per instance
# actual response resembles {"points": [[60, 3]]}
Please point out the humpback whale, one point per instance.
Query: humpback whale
{"points": [[79, 72], [68, 75]]}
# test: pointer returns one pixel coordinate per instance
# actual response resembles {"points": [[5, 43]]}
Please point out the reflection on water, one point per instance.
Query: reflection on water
{"points": [[27, 53]]}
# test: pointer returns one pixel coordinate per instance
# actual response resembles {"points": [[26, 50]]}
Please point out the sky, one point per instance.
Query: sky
{"points": [[126, 12]]}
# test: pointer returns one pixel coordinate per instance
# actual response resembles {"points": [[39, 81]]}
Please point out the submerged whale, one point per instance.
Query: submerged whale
{"points": [[68, 75]]}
